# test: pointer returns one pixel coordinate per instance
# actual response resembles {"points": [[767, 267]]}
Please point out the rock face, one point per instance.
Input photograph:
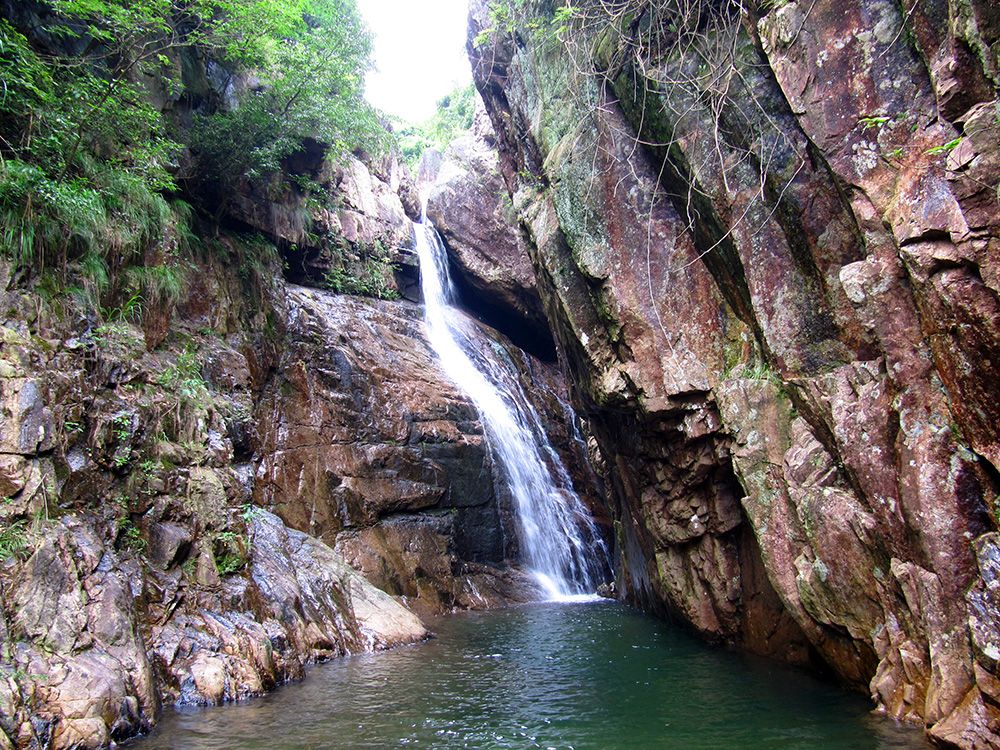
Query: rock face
{"points": [[137, 572], [76, 625], [356, 237], [469, 206], [367, 444], [773, 280]]}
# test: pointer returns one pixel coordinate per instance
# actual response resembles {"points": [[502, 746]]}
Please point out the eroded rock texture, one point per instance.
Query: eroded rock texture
{"points": [[368, 445], [200, 499], [469, 205], [767, 243], [142, 574]]}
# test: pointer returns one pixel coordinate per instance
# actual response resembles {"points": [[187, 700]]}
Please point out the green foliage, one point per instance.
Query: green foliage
{"points": [[453, 118], [122, 427], [760, 370], [873, 122], [250, 512], [504, 16], [56, 109], [85, 156], [121, 430], [258, 262], [161, 283], [117, 339], [184, 376], [562, 17], [39, 213], [231, 552], [129, 311], [104, 216], [13, 539], [373, 281], [130, 536], [944, 148], [370, 284], [508, 16], [312, 87]]}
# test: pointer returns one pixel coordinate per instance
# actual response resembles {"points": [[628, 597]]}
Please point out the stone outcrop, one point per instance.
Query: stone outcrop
{"points": [[83, 673], [367, 444], [773, 281], [469, 206], [359, 235]]}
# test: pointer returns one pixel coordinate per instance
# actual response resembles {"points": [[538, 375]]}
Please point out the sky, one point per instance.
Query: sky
{"points": [[419, 54]]}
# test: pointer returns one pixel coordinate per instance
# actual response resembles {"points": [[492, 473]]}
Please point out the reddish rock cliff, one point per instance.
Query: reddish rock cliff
{"points": [[767, 243]]}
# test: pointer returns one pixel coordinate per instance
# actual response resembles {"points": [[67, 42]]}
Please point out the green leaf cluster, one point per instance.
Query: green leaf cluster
{"points": [[87, 157], [507, 17], [454, 116], [373, 281], [311, 87], [184, 376], [13, 539]]}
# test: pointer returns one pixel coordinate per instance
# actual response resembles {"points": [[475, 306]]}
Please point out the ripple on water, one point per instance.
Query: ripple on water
{"points": [[587, 676]]}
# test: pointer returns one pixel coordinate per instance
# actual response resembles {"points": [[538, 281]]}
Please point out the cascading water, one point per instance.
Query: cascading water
{"points": [[558, 538]]}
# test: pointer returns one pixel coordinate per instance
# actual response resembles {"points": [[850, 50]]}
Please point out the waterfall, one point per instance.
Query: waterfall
{"points": [[558, 538]]}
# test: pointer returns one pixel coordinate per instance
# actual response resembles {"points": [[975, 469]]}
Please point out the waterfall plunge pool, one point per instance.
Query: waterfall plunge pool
{"points": [[588, 676]]}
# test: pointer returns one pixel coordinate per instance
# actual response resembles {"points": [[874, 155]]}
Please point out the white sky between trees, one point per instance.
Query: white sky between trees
{"points": [[419, 54]]}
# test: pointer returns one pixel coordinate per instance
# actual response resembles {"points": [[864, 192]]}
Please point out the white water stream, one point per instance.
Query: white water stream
{"points": [[557, 536]]}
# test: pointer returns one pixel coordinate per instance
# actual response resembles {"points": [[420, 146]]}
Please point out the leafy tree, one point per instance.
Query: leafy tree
{"points": [[454, 116], [85, 157], [312, 87]]}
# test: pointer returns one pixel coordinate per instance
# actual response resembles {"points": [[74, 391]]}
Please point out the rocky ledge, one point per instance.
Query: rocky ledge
{"points": [[96, 644]]}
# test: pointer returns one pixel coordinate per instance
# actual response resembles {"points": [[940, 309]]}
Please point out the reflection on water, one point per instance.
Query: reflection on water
{"points": [[590, 675]]}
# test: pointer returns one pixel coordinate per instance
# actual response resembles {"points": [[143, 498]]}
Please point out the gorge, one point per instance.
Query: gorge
{"points": [[702, 310]]}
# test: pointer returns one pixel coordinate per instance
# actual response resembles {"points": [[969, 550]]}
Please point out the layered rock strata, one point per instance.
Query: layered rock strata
{"points": [[202, 498], [766, 242]]}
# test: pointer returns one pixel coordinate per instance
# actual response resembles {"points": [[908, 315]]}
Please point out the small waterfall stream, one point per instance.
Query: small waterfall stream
{"points": [[559, 541]]}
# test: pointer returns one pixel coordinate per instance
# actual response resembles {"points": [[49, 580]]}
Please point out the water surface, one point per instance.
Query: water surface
{"points": [[598, 676]]}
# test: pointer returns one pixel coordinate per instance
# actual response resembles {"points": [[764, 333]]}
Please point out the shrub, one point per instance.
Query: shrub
{"points": [[85, 158], [454, 116], [13, 539], [311, 86]]}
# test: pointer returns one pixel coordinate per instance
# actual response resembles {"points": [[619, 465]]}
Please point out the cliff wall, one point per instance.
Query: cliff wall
{"points": [[766, 239]]}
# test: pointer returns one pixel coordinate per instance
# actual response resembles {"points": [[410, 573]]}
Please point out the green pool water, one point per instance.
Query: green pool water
{"points": [[588, 675]]}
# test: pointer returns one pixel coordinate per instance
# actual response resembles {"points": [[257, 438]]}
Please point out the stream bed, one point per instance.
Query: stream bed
{"points": [[595, 675]]}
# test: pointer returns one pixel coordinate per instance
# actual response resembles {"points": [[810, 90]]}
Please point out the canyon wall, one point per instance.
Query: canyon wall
{"points": [[766, 241], [204, 490]]}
